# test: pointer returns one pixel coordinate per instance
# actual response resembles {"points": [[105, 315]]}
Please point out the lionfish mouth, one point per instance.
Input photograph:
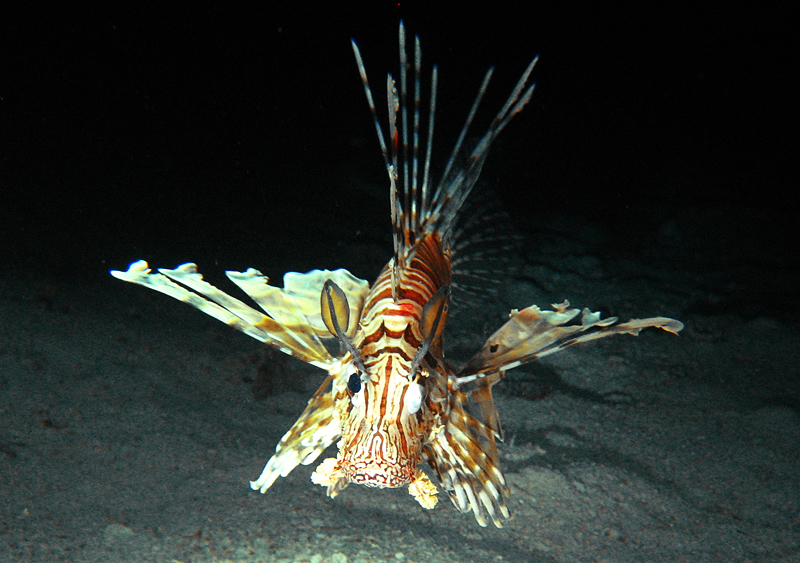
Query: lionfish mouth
{"points": [[378, 475]]}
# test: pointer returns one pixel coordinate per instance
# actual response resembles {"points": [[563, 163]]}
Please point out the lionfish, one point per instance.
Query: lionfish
{"points": [[390, 401]]}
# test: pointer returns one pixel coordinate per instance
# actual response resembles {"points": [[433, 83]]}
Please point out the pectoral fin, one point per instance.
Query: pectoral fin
{"points": [[532, 333]]}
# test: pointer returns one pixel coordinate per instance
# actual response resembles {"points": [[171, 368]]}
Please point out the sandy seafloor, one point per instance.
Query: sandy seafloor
{"points": [[652, 174], [130, 424]]}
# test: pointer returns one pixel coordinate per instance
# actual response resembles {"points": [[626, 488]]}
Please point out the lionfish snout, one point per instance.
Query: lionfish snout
{"points": [[376, 461], [377, 473]]}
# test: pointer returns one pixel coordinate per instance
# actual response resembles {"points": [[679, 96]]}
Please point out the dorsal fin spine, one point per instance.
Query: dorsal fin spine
{"points": [[415, 213]]}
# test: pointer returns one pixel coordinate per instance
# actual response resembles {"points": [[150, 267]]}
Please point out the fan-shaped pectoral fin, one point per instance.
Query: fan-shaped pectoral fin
{"points": [[315, 430], [296, 339], [464, 457], [532, 333]]}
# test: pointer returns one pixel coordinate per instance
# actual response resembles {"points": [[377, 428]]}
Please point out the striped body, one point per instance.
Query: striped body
{"points": [[397, 412], [382, 440]]}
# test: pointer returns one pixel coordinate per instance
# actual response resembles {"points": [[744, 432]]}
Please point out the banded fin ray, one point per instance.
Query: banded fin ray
{"points": [[297, 303], [416, 215], [484, 253], [464, 455], [532, 333], [292, 323], [456, 184], [315, 430]]}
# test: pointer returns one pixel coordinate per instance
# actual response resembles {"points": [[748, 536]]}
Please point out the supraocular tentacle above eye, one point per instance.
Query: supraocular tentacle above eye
{"points": [[431, 324], [335, 312]]}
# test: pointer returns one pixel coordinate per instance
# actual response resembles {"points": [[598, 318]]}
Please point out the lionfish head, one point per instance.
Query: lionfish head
{"points": [[381, 445], [383, 417]]}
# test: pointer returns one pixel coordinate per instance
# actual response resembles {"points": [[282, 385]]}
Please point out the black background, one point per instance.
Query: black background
{"points": [[240, 134]]}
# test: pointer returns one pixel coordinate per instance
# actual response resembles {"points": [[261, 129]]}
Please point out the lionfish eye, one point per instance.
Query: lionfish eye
{"points": [[354, 383]]}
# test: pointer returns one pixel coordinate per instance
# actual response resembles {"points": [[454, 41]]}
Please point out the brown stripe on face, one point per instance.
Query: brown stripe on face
{"points": [[394, 334], [376, 446], [401, 434], [365, 390], [393, 312], [390, 350], [376, 335], [385, 393], [410, 339]]}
